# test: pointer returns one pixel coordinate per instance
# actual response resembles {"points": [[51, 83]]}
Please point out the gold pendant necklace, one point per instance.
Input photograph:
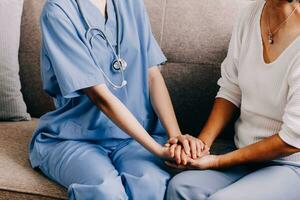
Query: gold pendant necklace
{"points": [[278, 27]]}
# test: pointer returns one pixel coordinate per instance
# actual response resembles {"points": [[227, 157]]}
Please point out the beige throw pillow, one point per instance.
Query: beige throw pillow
{"points": [[12, 106]]}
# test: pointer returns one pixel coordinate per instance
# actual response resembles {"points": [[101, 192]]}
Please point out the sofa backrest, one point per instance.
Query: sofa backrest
{"points": [[194, 35]]}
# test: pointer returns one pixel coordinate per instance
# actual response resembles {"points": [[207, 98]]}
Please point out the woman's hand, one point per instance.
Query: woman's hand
{"points": [[206, 162], [178, 153], [181, 158], [192, 146], [164, 152]]}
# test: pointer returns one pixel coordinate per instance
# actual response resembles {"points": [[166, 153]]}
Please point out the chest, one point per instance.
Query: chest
{"points": [[264, 88], [109, 29], [283, 33], [117, 36], [264, 82]]}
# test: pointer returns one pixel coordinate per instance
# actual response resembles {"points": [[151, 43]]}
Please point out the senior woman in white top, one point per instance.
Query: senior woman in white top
{"points": [[261, 76]]}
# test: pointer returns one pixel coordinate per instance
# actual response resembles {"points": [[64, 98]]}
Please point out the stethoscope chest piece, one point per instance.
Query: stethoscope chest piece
{"points": [[119, 64]]}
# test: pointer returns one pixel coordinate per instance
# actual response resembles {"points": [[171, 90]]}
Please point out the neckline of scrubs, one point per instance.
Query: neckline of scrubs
{"points": [[98, 18]]}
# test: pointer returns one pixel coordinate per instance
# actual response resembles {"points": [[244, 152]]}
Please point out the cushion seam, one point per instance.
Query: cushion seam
{"points": [[29, 193]]}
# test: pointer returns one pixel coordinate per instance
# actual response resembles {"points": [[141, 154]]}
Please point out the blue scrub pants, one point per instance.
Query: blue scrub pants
{"points": [[271, 182], [115, 172]]}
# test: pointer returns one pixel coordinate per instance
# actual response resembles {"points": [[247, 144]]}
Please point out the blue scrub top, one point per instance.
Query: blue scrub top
{"points": [[69, 64]]}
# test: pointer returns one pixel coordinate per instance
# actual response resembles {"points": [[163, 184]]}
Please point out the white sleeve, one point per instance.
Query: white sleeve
{"points": [[229, 87], [290, 131]]}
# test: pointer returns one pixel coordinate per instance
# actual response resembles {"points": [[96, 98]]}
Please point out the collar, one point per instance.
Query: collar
{"points": [[95, 18]]}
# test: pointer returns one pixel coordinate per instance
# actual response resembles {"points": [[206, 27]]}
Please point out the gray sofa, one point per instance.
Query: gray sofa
{"points": [[194, 35]]}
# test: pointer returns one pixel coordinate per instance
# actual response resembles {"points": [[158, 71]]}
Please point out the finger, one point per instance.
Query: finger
{"points": [[173, 165], [173, 140], [192, 163], [193, 147], [186, 145], [202, 145], [167, 145], [205, 152], [199, 148], [170, 164], [172, 150], [178, 154], [184, 157]]}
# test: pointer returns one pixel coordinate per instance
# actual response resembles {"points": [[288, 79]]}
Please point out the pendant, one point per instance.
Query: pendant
{"points": [[270, 38]]}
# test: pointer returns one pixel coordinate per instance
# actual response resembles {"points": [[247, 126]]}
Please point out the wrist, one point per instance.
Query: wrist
{"points": [[224, 161], [160, 151], [218, 162], [174, 133], [206, 139], [154, 147]]}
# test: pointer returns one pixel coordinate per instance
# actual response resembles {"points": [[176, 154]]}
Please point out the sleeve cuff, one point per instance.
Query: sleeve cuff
{"points": [[76, 89], [290, 137], [155, 55], [156, 59], [225, 94]]}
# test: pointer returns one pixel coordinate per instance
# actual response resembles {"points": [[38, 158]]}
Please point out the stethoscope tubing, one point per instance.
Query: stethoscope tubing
{"points": [[90, 37]]}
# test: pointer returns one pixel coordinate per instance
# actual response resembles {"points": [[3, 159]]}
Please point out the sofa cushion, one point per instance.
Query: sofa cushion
{"points": [[13, 195], [193, 88], [155, 11], [12, 106], [17, 179], [198, 31]]}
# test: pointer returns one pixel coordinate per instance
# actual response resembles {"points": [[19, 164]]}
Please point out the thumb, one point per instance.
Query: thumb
{"points": [[173, 141], [192, 162]]}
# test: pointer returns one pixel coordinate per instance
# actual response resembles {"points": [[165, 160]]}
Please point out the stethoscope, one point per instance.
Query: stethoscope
{"points": [[119, 64]]}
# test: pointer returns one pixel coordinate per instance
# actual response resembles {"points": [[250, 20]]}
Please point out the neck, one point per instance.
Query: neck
{"points": [[280, 9], [101, 5]]}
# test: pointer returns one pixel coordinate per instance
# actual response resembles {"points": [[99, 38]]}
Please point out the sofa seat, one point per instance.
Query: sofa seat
{"points": [[17, 179]]}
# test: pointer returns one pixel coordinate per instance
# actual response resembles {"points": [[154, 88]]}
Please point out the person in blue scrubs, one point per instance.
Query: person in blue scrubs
{"points": [[104, 140]]}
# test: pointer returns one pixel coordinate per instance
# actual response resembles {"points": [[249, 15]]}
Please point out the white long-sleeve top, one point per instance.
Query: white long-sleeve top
{"points": [[268, 94]]}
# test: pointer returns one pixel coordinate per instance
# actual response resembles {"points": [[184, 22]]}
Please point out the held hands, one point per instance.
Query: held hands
{"points": [[181, 147], [193, 147], [190, 153]]}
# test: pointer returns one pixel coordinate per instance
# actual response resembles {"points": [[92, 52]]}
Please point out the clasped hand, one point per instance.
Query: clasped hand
{"points": [[188, 152]]}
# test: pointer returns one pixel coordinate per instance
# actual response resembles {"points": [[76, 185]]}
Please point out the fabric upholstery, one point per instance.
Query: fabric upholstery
{"points": [[156, 13], [199, 31], [7, 195], [11, 100], [16, 175], [193, 88]]}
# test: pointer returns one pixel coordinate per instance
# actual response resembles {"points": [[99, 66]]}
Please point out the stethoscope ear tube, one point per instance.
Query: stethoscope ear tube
{"points": [[92, 37], [119, 64]]}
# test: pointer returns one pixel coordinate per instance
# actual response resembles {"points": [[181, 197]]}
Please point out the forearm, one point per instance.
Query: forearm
{"points": [[161, 102], [265, 150], [221, 114], [121, 116]]}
